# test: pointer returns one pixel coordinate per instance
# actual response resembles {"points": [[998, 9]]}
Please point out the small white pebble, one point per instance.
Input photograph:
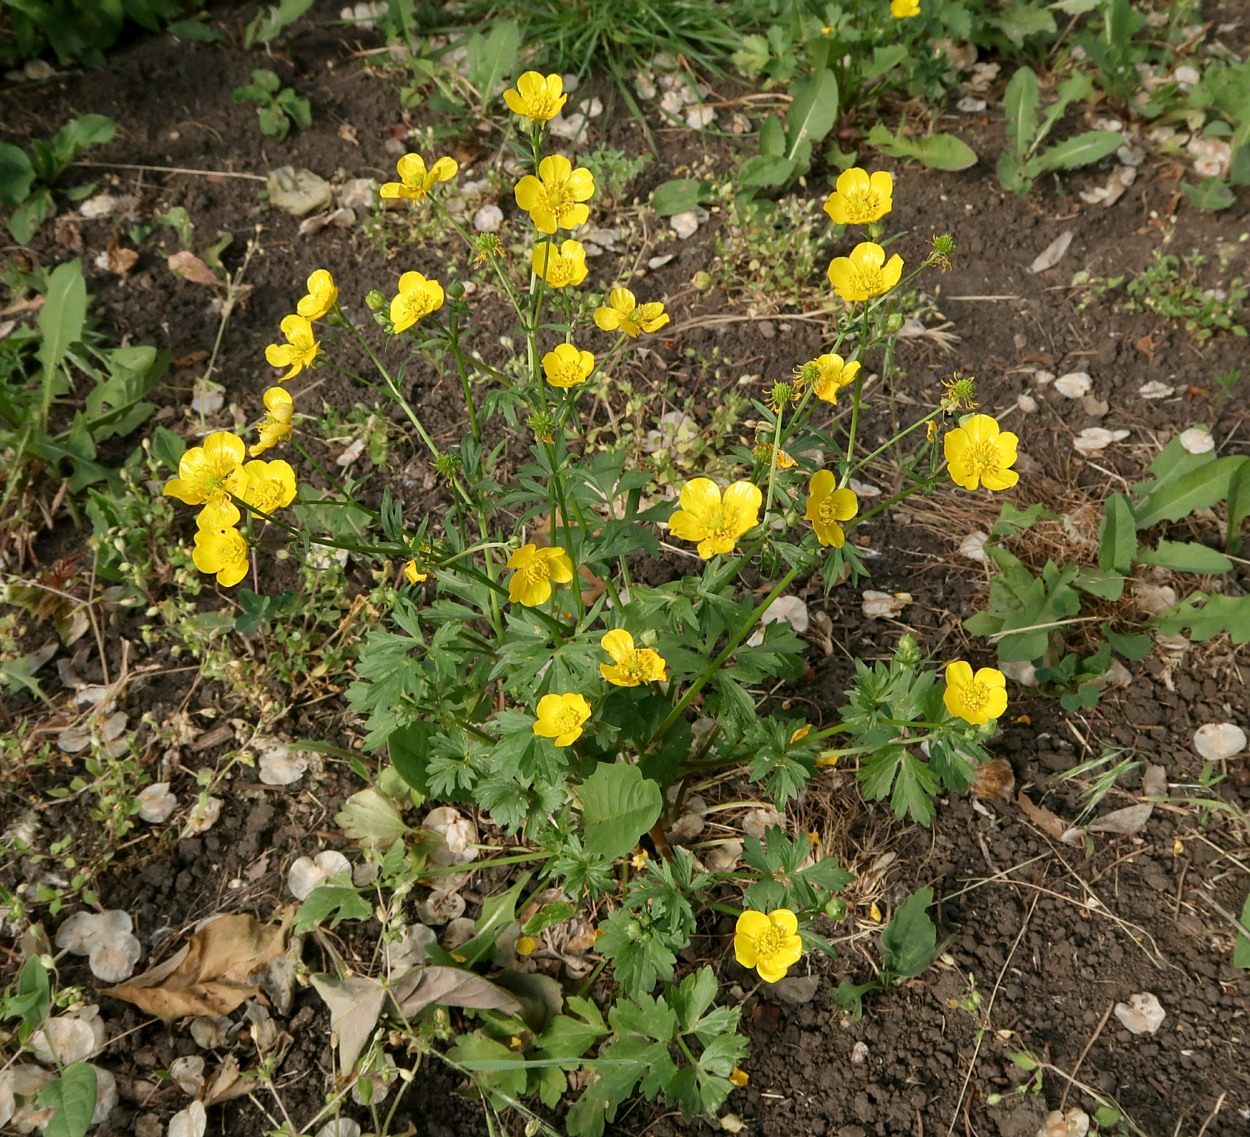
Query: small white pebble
{"points": [[1197, 440], [488, 219]]}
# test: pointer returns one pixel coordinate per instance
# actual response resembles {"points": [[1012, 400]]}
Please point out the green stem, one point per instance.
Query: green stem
{"points": [[895, 439], [728, 650], [772, 462], [856, 398]]}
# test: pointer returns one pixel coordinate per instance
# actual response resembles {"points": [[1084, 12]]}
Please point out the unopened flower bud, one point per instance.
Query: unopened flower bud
{"points": [[907, 652], [894, 323], [448, 464], [375, 300]]}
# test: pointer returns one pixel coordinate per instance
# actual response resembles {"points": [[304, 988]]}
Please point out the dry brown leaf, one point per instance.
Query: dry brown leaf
{"points": [[121, 260], [449, 987], [228, 1083], [188, 266], [1130, 819], [209, 976], [1048, 822]]}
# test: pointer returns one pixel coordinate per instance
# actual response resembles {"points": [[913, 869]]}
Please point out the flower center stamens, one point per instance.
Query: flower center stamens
{"points": [[769, 943]]}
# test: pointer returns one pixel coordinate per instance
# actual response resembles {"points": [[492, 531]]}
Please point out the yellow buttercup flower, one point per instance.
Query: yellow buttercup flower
{"points": [[270, 486], [975, 698], [211, 472], [300, 349], [624, 313], [716, 521], [221, 551], [769, 942], [902, 9], [537, 96], [865, 273], [218, 514], [860, 197], [554, 199], [560, 267], [826, 506], [560, 718], [417, 297], [566, 366], [414, 575], [535, 569], [415, 181], [277, 425], [828, 374], [323, 295], [633, 666], [978, 453]]}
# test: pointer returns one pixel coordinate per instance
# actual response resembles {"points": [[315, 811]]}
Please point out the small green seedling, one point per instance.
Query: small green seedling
{"points": [[1028, 127], [909, 945], [26, 180], [278, 107]]}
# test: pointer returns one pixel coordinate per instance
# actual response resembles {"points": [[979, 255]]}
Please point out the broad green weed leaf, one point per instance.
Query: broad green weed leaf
{"points": [[909, 942], [813, 112], [1207, 616], [72, 1096], [17, 175], [489, 58], [678, 195], [1019, 21], [266, 28], [1170, 464], [885, 59], [1106, 586], [1020, 101], [766, 170], [77, 135], [1117, 542], [25, 220], [772, 138], [1198, 489], [1083, 150], [1211, 194], [63, 315], [1238, 505], [1186, 556], [938, 151], [1010, 173], [1241, 949], [943, 152], [619, 805]]}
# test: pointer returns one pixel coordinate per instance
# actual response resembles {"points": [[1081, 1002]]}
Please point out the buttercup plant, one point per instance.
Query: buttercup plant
{"points": [[490, 685]]}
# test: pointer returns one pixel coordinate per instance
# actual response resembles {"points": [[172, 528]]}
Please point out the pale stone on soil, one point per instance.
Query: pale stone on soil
{"points": [[1074, 384], [306, 873], [1197, 440], [156, 803], [1142, 1014], [1218, 741], [189, 1122]]}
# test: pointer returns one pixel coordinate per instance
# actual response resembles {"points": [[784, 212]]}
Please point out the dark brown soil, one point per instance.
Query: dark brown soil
{"points": [[1052, 935]]}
